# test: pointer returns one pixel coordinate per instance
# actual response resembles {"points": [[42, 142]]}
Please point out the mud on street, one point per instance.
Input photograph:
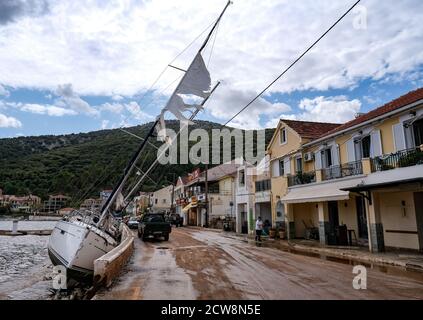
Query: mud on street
{"points": [[197, 264]]}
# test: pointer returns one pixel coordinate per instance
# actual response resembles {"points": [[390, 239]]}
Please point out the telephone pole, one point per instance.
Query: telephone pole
{"points": [[207, 196]]}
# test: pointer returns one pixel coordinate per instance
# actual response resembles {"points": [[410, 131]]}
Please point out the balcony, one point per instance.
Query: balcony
{"points": [[345, 170], [301, 178], [401, 159]]}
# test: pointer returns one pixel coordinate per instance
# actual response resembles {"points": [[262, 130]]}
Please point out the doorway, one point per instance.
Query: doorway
{"points": [[192, 214], [418, 204], [244, 223], [361, 218], [333, 222]]}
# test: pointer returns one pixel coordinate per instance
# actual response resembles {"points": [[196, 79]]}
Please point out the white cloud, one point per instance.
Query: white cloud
{"points": [[117, 97], [4, 91], [112, 107], [104, 124], [128, 111], [273, 123], [71, 100], [47, 109], [136, 113], [9, 122], [327, 109], [118, 47], [225, 103]]}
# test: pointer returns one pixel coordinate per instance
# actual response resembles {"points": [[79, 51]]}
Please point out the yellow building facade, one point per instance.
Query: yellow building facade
{"points": [[357, 184]]}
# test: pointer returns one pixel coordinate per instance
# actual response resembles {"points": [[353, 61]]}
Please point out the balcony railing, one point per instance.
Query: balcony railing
{"points": [[301, 178], [342, 171], [401, 159]]}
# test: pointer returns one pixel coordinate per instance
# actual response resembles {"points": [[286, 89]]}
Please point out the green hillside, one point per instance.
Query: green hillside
{"points": [[80, 165]]}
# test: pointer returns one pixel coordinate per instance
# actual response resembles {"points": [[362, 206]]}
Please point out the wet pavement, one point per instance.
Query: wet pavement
{"points": [[198, 264]]}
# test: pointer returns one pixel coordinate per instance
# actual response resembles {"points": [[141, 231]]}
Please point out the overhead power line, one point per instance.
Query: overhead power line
{"points": [[293, 63]]}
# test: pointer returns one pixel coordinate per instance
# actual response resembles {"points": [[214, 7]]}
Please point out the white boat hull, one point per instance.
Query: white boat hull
{"points": [[76, 245]]}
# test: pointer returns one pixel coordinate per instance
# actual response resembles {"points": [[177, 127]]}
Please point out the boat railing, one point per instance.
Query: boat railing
{"points": [[84, 216]]}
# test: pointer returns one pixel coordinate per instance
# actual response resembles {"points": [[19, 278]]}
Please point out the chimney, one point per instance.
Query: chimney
{"points": [[359, 114]]}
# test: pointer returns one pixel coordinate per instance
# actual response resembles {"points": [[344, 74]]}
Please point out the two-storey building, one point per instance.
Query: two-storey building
{"points": [[362, 181], [161, 200], [220, 196], [263, 195], [253, 196], [244, 199], [286, 159]]}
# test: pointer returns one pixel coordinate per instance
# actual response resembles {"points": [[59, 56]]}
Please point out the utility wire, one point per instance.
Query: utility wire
{"points": [[293, 63]]}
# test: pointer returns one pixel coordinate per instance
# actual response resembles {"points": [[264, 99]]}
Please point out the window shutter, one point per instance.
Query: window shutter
{"points": [[318, 160], [399, 136], [335, 155], [351, 150], [275, 169], [375, 144], [287, 166], [357, 148], [409, 139]]}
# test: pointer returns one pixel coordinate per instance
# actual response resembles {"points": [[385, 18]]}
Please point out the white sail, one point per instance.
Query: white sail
{"points": [[197, 79], [196, 82], [119, 203]]}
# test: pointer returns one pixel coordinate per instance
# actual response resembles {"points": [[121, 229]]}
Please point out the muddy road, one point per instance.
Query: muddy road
{"points": [[197, 264]]}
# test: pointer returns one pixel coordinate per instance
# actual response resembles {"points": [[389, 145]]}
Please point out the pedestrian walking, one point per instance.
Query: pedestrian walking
{"points": [[259, 229]]}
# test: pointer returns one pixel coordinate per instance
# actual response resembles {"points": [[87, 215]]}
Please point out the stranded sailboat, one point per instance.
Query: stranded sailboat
{"points": [[81, 238]]}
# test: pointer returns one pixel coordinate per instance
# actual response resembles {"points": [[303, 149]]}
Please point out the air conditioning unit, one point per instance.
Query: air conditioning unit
{"points": [[308, 157]]}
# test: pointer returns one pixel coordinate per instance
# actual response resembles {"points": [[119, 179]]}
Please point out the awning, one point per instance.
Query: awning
{"points": [[186, 209], [320, 192]]}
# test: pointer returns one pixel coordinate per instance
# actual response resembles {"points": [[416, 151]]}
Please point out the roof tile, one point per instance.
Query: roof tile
{"points": [[309, 129]]}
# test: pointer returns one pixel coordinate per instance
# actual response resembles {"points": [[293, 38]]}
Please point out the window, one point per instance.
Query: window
{"points": [[282, 135], [281, 168], [418, 132], [164, 200], [362, 148], [156, 201], [263, 185], [153, 218], [365, 147], [299, 164], [242, 178], [326, 158]]}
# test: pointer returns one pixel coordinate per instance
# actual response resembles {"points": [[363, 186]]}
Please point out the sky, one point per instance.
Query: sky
{"points": [[79, 66]]}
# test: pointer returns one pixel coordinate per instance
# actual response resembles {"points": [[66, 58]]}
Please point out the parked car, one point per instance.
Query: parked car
{"points": [[154, 225], [176, 220], [133, 223]]}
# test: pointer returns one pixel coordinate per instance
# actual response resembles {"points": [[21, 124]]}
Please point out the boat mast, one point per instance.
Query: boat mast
{"points": [[131, 165], [129, 168], [196, 111], [215, 26]]}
